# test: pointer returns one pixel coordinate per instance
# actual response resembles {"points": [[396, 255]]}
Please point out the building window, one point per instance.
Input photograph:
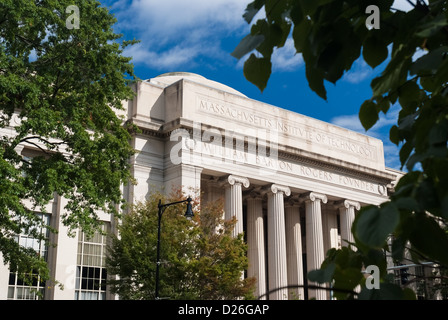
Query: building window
{"points": [[17, 288], [91, 273]]}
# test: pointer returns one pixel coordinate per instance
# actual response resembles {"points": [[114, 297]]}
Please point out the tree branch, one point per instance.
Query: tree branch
{"points": [[47, 152], [36, 145], [42, 139], [411, 3]]}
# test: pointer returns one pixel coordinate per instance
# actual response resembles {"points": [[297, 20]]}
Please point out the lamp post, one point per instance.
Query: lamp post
{"points": [[188, 214]]}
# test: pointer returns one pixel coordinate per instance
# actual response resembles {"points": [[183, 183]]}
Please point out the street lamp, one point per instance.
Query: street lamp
{"points": [[188, 214]]}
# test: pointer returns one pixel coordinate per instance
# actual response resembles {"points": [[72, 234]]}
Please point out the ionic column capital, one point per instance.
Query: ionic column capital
{"points": [[347, 204], [237, 179], [313, 196], [275, 188]]}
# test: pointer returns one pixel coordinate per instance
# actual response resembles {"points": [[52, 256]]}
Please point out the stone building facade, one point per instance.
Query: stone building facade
{"points": [[294, 183]]}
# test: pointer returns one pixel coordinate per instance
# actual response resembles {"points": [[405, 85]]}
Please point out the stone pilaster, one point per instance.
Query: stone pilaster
{"points": [[314, 238], [255, 243], [277, 242]]}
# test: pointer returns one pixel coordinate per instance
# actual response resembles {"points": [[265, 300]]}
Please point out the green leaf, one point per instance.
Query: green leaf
{"points": [[322, 275], [247, 44], [373, 225], [430, 62], [275, 9], [438, 133], [409, 95], [368, 114], [405, 151], [310, 6], [384, 105], [433, 26], [407, 122], [252, 9], [407, 203], [257, 71], [429, 238], [426, 195], [406, 184], [316, 81], [394, 135], [374, 51], [429, 83], [275, 35], [342, 47], [300, 34], [346, 279], [395, 73]]}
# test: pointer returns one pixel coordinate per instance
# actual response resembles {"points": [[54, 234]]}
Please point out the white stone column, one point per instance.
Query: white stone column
{"points": [[314, 238], [255, 243], [330, 227], [234, 201], [347, 216], [294, 250], [277, 242]]}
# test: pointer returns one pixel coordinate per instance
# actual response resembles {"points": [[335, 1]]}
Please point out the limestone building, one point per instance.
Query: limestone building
{"points": [[294, 183]]}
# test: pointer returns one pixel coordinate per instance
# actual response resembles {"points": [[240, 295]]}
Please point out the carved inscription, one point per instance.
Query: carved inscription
{"points": [[211, 154], [297, 130]]}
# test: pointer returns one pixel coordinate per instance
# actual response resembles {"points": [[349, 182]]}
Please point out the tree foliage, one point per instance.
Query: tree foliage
{"points": [[331, 35], [60, 88], [200, 259]]}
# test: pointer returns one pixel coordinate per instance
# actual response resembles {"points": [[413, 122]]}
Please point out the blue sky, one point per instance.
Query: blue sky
{"points": [[199, 35]]}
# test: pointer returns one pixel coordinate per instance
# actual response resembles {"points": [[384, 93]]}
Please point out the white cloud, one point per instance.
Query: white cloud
{"points": [[172, 16], [391, 155], [283, 59], [176, 33], [181, 32], [360, 71], [401, 5], [286, 58], [418, 54], [352, 121], [171, 58]]}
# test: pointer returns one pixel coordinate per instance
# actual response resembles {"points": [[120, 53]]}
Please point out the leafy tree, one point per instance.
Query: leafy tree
{"points": [[200, 259], [62, 79], [331, 35]]}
